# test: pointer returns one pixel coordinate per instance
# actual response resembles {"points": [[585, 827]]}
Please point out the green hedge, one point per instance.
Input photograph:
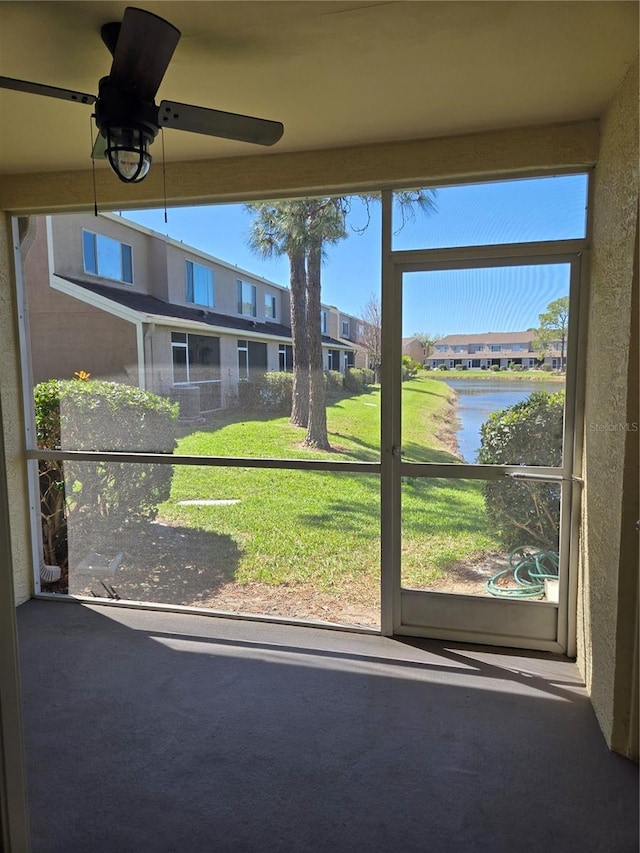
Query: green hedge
{"points": [[97, 415], [333, 383], [357, 379], [524, 513], [270, 391], [273, 391]]}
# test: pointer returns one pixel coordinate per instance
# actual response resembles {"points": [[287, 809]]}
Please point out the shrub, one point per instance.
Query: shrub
{"points": [[546, 367], [96, 415], [524, 513], [495, 368], [410, 368], [442, 367], [333, 382], [464, 367], [270, 391], [356, 379]]}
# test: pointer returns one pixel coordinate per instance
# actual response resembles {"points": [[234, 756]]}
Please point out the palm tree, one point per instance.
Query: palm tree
{"points": [[278, 229], [300, 229], [325, 224]]}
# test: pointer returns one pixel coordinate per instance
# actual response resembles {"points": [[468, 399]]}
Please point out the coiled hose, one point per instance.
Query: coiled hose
{"points": [[529, 568]]}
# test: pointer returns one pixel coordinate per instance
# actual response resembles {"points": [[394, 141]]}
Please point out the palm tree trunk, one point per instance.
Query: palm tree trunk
{"points": [[299, 338], [317, 427]]}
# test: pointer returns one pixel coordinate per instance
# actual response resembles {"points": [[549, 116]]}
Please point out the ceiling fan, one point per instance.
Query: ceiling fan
{"points": [[125, 110]]}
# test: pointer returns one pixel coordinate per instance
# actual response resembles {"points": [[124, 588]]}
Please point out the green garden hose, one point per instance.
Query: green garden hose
{"points": [[529, 568]]}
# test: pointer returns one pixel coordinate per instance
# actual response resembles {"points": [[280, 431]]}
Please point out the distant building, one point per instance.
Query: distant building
{"points": [[127, 304], [415, 349], [482, 351]]}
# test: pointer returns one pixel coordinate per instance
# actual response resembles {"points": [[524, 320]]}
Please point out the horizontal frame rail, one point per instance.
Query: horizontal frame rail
{"points": [[481, 472], [502, 254], [205, 461]]}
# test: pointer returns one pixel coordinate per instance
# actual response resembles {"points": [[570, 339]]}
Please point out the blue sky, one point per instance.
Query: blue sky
{"points": [[445, 303]]}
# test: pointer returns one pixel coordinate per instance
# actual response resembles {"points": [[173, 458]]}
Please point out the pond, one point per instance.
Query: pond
{"points": [[478, 398]]}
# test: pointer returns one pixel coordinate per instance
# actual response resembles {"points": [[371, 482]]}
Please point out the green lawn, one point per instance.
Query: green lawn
{"points": [[293, 527]]}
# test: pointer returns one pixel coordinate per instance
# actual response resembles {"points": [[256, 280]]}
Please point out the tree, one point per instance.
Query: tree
{"points": [[300, 229], [371, 338], [554, 323], [277, 229], [325, 223]]}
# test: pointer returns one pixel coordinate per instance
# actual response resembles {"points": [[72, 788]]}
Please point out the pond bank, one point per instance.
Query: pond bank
{"points": [[496, 375], [478, 399]]}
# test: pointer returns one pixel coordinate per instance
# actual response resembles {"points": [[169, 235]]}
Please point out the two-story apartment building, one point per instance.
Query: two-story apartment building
{"points": [[127, 304], [481, 351], [348, 331]]}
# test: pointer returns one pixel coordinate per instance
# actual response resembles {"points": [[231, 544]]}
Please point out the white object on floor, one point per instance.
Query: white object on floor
{"points": [[98, 564]]}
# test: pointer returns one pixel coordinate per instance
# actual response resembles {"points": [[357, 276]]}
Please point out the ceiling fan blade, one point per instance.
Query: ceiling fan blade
{"points": [[216, 123], [143, 51], [48, 91]]}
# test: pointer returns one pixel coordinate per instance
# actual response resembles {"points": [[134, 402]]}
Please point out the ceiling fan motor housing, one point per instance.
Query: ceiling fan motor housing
{"points": [[120, 108]]}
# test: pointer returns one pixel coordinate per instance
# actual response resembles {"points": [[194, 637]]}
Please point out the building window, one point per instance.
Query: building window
{"points": [[179, 358], [333, 359], [441, 349], [345, 328], [270, 311], [495, 347], [199, 284], [285, 357], [252, 358], [243, 360], [323, 322], [106, 257], [246, 299], [196, 361]]}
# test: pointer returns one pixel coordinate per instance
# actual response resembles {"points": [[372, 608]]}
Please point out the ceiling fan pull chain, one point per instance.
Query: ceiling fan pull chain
{"points": [[93, 168], [164, 177]]}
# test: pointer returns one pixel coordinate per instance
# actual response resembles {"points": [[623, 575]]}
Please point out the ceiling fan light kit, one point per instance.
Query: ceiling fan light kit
{"points": [[126, 142], [126, 114]]}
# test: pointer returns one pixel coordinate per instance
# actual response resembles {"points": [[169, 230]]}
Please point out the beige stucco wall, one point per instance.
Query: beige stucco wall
{"points": [[609, 556]]}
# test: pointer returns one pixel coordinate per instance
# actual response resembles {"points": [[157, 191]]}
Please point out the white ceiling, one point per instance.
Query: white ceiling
{"points": [[336, 73]]}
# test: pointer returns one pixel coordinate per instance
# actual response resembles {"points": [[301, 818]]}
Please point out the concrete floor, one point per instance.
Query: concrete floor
{"points": [[167, 732]]}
